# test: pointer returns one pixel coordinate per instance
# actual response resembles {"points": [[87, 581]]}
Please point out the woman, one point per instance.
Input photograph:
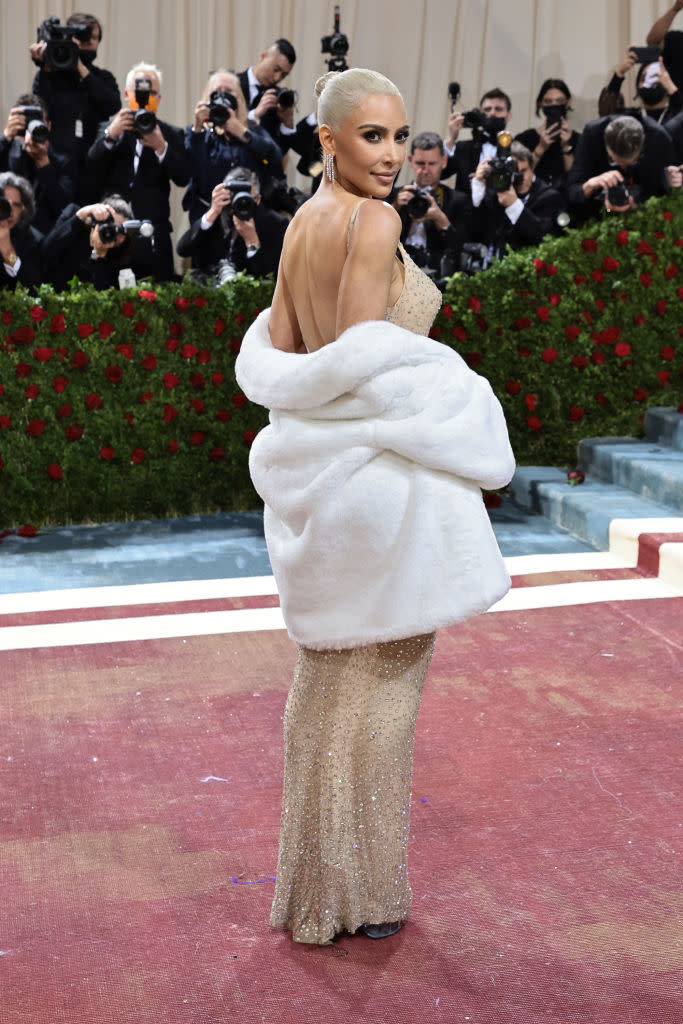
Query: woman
{"points": [[661, 99], [373, 538], [20, 242], [216, 147], [554, 142]]}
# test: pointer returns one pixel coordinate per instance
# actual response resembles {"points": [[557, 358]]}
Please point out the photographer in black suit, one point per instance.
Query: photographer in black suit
{"points": [[20, 259], [75, 247], [434, 218], [495, 110], [620, 160], [235, 234], [517, 215], [137, 156]]}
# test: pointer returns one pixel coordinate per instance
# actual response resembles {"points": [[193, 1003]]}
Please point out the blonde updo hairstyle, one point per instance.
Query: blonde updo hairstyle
{"points": [[338, 92]]}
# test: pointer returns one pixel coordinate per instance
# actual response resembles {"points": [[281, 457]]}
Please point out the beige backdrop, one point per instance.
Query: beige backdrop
{"points": [[420, 44]]}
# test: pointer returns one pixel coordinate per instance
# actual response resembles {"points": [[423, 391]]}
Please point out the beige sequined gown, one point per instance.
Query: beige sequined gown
{"points": [[349, 730]]}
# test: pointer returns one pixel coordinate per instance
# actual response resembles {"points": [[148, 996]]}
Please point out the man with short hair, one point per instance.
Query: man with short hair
{"points": [[139, 163], [618, 152], [440, 230], [464, 157]]}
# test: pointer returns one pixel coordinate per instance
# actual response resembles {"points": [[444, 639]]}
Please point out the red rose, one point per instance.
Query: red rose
{"points": [[197, 437], [239, 319], [587, 317], [169, 413], [58, 324], [64, 411], [203, 357], [524, 352], [513, 387], [219, 327], [597, 275], [181, 304], [459, 333], [59, 383], [147, 295], [434, 332], [54, 471], [107, 453], [549, 355], [589, 244], [575, 413], [200, 301], [129, 417], [23, 335], [127, 309], [611, 334], [533, 423], [530, 402], [622, 349], [149, 361], [579, 279], [23, 370], [85, 330], [600, 304], [600, 398], [639, 319], [580, 362], [609, 263], [5, 422], [197, 380], [670, 271], [35, 428], [146, 397], [660, 306], [447, 311], [176, 329], [80, 360], [249, 437], [646, 280], [473, 359], [216, 454], [137, 455], [235, 345], [173, 447], [666, 352], [550, 269], [74, 432], [32, 392], [113, 373], [93, 401], [555, 298], [6, 317], [663, 376], [217, 378], [482, 324], [105, 330], [27, 530], [140, 326], [239, 400], [543, 313], [188, 351], [474, 303], [171, 344], [622, 237], [43, 355], [598, 358], [640, 394], [170, 381], [196, 405], [539, 265], [571, 333], [37, 314], [223, 415], [62, 353], [522, 322], [667, 214], [492, 500], [643, 247]]}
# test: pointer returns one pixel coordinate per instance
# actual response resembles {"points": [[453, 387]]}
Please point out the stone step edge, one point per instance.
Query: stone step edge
{"points": [[663, 425], [654, 546]]}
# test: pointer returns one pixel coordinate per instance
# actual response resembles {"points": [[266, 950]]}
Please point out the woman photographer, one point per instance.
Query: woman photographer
{"points": [[219, 139], [553, 143], [659, 96], [19, 241]]}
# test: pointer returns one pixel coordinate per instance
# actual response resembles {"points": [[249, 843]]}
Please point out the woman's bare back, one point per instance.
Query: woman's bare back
{"points": [[322, 286]]}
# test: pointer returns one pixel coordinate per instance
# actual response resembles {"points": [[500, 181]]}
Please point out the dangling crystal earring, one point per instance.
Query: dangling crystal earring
{"points": [[329, 167]]}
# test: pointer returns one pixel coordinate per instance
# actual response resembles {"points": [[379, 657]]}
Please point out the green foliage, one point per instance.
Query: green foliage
{"points": [[117, 405]]}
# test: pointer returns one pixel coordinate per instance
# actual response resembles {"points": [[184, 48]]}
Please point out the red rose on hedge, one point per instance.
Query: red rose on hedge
{"points": [[127, 309], [660, 306], [598, 358], [74, 432], [107, 453], [597, 275], [575, 413], [171, 344], [639, 319], [196, 405], [197, 381], [23, 370], [146, 397], [513, 387], [530, 402], [200, 301], [474, 303], [216, 454], [5, 422], [609, 263], [622, 237], [93, 401], [137, 455], [235, 345], [181, 304], [239, 319], [521, 322], [579, 279], [223, 415], [663, 377], [27, 530], [589, 244], [59, 383], [543, 313], [140, 326], [149, 361], [670, 271], [473, 359], [43, 355], [197, 437], [6, 317], [459, 333], [550, 269], [571, 333], [58, 324], [217, 378], [447, 311], [555, 298], [169, 413], [170, 381], [32, 392], [580, 361], [646, 280], [54, 470], [37, 313], [148, 296], [667, 214], [249, 437], [80, 360], [34, 428], [64, 411], [173, 447], [219, 327], [640, 394], [113, 373], [105, 330], [600, 398], [188, 351], [203, 357], [239, 400], [549, 355], [85, 330], [622, 349], [533, 423], [666, 352], [23, 335]]}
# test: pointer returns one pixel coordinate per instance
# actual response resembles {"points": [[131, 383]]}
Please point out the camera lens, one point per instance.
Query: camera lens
{"points": [[286, 98], [243, 206], [418, 206], [38, 131], [145, 121]]}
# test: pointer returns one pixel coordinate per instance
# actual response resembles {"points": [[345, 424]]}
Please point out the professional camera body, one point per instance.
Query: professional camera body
{"points": [[220, 105], [109, 230], [473, 257], [62, 52], [418, 206], [503, 173], [286, 98], [145, 121], [35, 124], [337, 45], [475, 119], [242, 204], [279, 196]]}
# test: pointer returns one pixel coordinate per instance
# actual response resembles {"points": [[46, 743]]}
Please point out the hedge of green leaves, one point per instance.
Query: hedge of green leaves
{"points": [[117, 405]]}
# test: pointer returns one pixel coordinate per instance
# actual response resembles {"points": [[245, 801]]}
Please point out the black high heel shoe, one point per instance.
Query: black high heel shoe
{"points": [[381, 931]]}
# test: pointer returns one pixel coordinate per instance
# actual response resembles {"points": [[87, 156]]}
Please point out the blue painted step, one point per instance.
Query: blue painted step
{"points": [[653, 471], [664, 425]]}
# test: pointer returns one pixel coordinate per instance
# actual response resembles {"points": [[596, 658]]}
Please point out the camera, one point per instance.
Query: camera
{"points": [[38, 130], [473, 257], [419, 204], [276, 194], [337, 45], [145, 121], [503, 172], [62, 51], [225, 271], [286, 98], [109, 230], [5, 208], [475, 119], [618, 194], [242, 204], [33, 115], [554, 114], [220, 105]]}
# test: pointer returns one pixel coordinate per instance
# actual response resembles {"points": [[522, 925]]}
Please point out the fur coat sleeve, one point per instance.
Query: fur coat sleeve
{"points": [[371, 473]]}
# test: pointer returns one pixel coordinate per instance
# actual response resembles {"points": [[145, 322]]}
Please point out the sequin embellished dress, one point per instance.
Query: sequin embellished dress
{"points": [[349, 730]]}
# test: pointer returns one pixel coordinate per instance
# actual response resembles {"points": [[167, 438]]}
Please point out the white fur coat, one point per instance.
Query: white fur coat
{"points": [[370, 472]]}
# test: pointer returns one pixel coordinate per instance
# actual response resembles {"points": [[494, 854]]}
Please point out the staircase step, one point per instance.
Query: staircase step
{"points": [[664, 425], [653, 471]]}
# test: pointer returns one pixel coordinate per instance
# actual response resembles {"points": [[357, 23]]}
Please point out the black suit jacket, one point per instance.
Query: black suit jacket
{"points": [[206, 248], [464, 162], [449, 243], [647, 175], [493, 227], [26, 243], [66, 253], [53, 185], [304, 141], [674, 129]]}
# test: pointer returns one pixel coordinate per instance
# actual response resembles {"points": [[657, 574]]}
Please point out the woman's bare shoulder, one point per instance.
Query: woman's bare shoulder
{"points": [[378, 221]]}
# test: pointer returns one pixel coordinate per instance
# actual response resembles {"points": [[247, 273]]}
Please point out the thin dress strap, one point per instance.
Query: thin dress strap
{"points": [[352, 220]]}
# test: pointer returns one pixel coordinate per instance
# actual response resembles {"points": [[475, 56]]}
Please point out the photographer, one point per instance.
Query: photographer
{"points": [[671, 42], [20, 260], [433, 217], [246, 235], [620, 160], [26, 150], [493, 114], [77, 99], [511, 205], [660, 98], [75, 247], [219, 139], [552, 145], [137, 156]]}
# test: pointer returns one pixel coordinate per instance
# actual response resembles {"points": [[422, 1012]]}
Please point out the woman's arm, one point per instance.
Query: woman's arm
{"points": [[655, 36], [367, 273]]}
